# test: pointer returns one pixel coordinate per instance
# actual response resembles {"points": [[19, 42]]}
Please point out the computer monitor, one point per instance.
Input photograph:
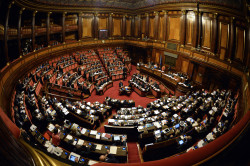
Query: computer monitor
{"points": [[181, 142], [74, 157]]}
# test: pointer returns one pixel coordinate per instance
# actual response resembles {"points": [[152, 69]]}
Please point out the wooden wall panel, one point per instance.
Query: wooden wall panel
{"points": [[160, 28], [87, 27], [103, 23], [116, 27], [184, 66], [224, 28], [157, 57], [200, 74], [207, 33], [151, 27], [174, 28], [136, 26], [189, 30], [240, 45], [128, 27]]}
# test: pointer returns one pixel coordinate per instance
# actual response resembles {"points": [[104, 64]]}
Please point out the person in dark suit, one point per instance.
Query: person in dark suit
{"points": [[109, 158], [120, 84]]}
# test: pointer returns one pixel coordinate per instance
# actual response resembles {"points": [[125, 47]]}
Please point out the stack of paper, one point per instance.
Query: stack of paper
{"points": [[98, 136], [93, 132], [80, 142], [83, 131], [51, 127], [78, 111], [113, 149], [98, 147], [69, 137]]}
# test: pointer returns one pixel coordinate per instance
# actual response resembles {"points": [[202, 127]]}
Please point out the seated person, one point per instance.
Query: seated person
{"points": [[56, 137], [109, 158], [120, 84], [83, 150]]}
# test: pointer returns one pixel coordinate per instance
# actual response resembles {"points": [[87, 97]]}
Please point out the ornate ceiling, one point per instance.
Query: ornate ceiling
{"points": [[136, 4]]}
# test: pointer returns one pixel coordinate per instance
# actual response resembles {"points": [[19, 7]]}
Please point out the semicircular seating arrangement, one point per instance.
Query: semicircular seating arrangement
{"points": [[51, 101]]}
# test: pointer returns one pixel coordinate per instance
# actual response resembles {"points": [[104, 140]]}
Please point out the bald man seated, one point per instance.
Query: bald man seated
{"points": [[109, 158]]}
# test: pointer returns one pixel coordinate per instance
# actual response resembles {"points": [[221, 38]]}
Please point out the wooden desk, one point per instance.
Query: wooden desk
{"points": [[172, 84], [105, 87]]}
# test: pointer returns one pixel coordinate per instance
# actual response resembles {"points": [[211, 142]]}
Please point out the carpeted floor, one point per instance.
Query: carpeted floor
{"points": [[114, 93], [133, 154]]}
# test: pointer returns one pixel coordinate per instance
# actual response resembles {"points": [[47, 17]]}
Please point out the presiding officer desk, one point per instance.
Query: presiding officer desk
{"points": [[174, 82]]}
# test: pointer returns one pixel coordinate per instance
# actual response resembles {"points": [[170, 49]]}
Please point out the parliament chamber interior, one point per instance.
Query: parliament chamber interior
{"points": [[124, 82]]}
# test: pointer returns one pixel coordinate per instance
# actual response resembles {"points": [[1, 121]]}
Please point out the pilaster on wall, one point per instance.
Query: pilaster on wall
{"points": [[165, 18], [199, 30], [214, 34], [48, 28], [33, 33], [133, 27], [139, 26], [63, 27], [95, 26], [183, 27], [232, 36], [147, 25], [6, 27], [196, 29], [156, 32], [110, 25], [80, 26], [19, 31]]}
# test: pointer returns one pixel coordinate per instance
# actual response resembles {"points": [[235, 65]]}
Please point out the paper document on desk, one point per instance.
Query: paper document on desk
{"points": [[78, 111], [51, 127], [113, 149], [83, 131], [103, 134], [69, 137], [98, 147], [98, 136], [80, 142], [93, 132], [140, 127]]}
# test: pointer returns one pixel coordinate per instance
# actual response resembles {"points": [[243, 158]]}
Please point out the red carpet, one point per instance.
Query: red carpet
{"points": [[133, 155], [114, 93]]}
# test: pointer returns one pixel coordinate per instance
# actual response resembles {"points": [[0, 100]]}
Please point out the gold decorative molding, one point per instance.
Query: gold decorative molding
{"points": [[34, 13], [184, 12], [215, 15], [64, 13], [156, 13]]}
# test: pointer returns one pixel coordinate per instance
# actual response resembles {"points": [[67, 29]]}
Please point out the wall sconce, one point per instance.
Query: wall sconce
{"points": [[199, 74]]}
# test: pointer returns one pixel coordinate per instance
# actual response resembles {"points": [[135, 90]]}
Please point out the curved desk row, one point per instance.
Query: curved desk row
{"points": [[177, 88]]}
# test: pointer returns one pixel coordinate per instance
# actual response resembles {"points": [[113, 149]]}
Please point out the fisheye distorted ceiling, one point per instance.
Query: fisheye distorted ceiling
{"points": [[136, 4]]}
